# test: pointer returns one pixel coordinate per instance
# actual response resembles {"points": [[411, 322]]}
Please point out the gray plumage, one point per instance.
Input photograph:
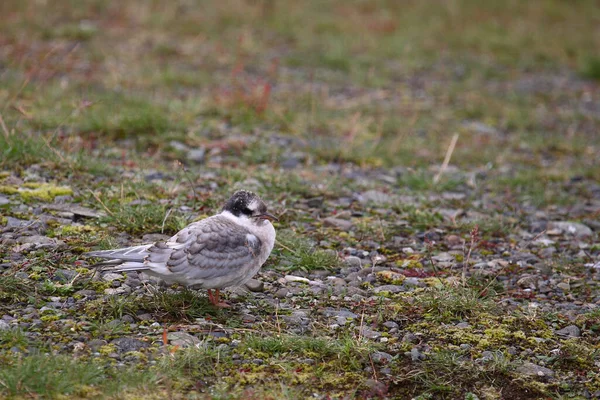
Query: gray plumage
{"points": [[223, 250]]}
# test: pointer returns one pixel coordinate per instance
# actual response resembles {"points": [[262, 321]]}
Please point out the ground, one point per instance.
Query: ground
{"points": [[434, 166]]}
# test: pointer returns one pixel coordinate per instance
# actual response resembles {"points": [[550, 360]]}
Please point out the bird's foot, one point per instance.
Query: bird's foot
{"points": [[214, 299]]}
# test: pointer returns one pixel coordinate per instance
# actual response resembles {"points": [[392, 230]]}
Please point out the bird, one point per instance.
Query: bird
{"points": [[226, 249]]}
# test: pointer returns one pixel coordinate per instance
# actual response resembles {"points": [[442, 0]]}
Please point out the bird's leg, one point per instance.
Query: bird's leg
{"points": [[211, 298], [216, 300]]}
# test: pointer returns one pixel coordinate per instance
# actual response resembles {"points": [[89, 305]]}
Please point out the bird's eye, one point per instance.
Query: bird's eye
{"points": [[247, 211]]}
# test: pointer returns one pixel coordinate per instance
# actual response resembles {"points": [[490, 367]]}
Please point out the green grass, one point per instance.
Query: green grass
{"points": [[450, 303], [58, 376], [19, 149], [146, 218], [345, 354], [13, 289], [48, 376], [590, 67], [297, 253], [181, 305], [13, 337]]}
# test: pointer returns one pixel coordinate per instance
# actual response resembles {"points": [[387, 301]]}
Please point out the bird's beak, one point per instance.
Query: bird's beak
{"points": [[268, 216]]}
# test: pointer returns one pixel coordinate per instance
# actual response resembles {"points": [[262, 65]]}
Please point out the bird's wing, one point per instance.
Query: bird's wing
{"points": [[123, 259], [208, 249]]}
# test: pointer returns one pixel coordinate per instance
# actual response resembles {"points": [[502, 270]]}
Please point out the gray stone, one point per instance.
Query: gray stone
{"points": [[531, 370], [390, 324], [416, 355], [282, 293], [4, 200], [254, 285], [338, 223], [290, 162], [486, 356], [528, 281], [145, 317], [177, 145], [376, 387], [16, 223], [64, 275], [129, 344], [570, 228], [95, 344], [412, 281], [353, 261], [196, 155], [369, 333], [4, 325], [182, 339], [569, 331], [389, 288], [380, 357], [444, 257], [376, 197], [330, 312], [112, 276], [41, 241], [410, 338], [75, 210]]}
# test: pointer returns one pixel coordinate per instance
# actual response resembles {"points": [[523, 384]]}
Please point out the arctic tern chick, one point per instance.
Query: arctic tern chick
{"points": [[224, 250]]}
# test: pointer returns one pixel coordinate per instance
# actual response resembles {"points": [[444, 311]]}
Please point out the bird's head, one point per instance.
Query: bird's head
{"points": [[247, 204]]}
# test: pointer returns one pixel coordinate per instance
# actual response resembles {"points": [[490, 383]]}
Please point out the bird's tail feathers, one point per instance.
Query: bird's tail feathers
{"points": [[135, 253]]}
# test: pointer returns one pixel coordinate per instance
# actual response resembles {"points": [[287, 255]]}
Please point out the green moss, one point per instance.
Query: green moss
{"points": [[49, 318], [390, 277], [107, 349], [8, 189], [37, 191]]}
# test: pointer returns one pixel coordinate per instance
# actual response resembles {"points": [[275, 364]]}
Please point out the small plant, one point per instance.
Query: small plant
{"points": [[590, 68], [177, 305], [13, 289], [136, 219], [299, 253], [13, 337], [191, 363], [451, 303]]}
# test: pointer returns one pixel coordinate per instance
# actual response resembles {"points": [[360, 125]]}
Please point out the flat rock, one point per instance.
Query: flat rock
{"points": [[380, 357], [376, 197], [39, 241], [330, 312], [64, 275], [369, 333], [112, 276], [129, 344], [569, 331], [531, 370], [4, 325], [76, 210], [389, 288], [338, 223], [353, 261], [569, 228], [182, 339], [254, 285], [197, 155]]}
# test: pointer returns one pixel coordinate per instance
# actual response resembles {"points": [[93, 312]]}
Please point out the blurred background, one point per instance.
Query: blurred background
{"points": [[245, 82]]}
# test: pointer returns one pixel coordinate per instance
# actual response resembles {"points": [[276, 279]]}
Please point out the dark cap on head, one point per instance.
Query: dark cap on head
{"points": [[246, 203]]}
